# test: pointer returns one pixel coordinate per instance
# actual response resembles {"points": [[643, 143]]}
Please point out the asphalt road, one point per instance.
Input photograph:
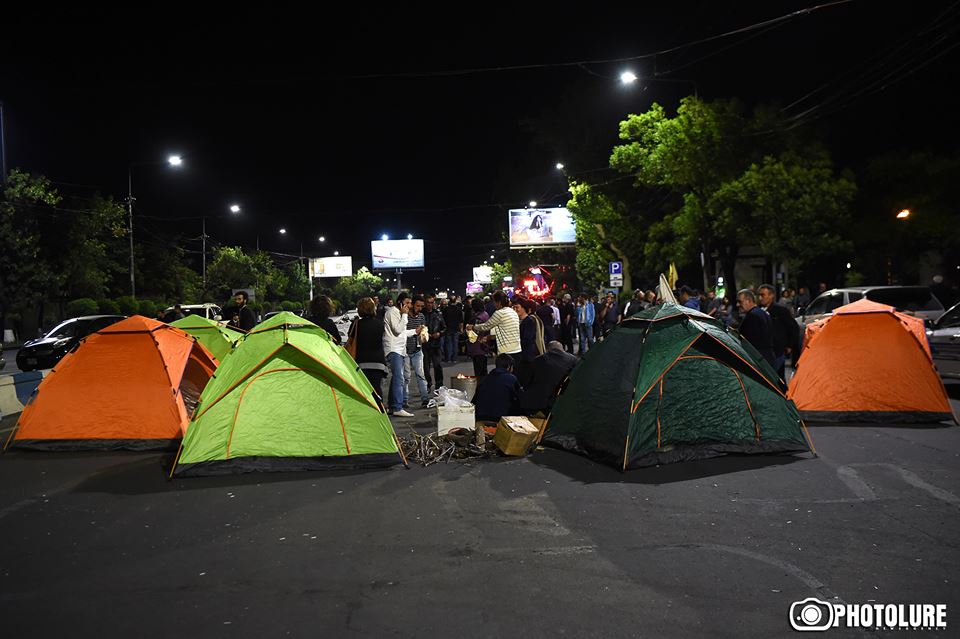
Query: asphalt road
{"points": [[550, 545]]}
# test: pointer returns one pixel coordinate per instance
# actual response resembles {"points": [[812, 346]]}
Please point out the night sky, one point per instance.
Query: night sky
{"points": [[344, 123]]}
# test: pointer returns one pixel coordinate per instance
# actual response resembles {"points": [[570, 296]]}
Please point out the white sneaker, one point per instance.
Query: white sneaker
{"points": [[402, 413]]}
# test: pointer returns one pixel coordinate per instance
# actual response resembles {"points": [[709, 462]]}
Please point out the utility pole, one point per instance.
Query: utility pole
{"points": [[133, 283], [203, 236], [3, 148]]}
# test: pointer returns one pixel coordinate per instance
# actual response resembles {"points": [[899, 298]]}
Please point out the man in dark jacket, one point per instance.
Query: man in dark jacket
{"points": [[498, 391], [756, 326], [785, 329], [549, 371], [242, 316], [432, 356]]}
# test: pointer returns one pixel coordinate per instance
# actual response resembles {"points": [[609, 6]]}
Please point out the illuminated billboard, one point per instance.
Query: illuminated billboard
{"points": [[474, 288], [541, 227], [331, 266], [389, 254], [483, 274]]}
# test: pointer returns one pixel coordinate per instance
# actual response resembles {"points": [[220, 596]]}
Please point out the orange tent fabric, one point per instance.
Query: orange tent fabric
{"points": [[131, 385], [868, 363]]}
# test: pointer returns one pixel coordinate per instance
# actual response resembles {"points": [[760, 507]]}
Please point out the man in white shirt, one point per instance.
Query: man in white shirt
{"points": [[395, 334], [507, 323]]}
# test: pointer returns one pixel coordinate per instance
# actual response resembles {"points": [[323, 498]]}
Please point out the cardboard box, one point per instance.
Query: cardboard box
{"points": [[450, 417], [539, 423], [515, 435]]}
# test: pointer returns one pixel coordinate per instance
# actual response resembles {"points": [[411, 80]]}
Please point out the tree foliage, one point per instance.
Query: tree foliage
{"points": [[363, 283], [740, 181]]}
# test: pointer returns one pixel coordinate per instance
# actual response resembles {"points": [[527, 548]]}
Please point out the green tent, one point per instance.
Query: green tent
{"points": [[672, 384], [218, 339], [287, 398]]}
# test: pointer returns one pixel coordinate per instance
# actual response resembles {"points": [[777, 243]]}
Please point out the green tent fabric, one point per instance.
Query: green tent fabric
{"points": [[218, 339], [287, 398], [672, 384]]}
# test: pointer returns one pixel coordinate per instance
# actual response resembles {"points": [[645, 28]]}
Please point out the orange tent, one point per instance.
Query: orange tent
{"points": [[131, 385], [868, 363]]}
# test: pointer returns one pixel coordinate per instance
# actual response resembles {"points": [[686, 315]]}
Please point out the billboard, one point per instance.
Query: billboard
{"points": [[397, 254], [483, 274], [331, 266], [541, 227], [474, 288]]}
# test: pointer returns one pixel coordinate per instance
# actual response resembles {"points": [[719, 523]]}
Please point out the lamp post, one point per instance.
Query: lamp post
{"points": [[173, 160]]}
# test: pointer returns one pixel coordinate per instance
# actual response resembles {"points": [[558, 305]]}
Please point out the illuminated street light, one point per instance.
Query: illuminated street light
{"points": [[628, 77], [234, 208], [384, 237], [848, 265], [322, 239], [904, 214], [409, 236], [335, 253], [175, 160], [283, 231], [533, 203], [559, 166]]}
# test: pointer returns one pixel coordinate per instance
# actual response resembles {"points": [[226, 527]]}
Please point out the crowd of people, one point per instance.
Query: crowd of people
{"points": [[410, 338]]}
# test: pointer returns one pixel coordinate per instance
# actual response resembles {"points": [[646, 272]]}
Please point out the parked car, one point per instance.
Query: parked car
{"points": [[916, 300], [944, 338], [208, 310], [46, 351]]}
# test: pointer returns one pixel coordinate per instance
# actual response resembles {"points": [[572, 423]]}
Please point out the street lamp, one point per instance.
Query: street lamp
{"points": [[533, 204], [628, 77], [173, 160], [283, 231], [234, 208], [384, 237], [559, 166], [904, 214], [336, 253], [322, 239], [409, 236]]}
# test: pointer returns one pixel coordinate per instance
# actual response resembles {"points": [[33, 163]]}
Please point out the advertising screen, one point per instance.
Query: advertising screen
{"points": [[541, 227], [331, 266], [388, 254], [483, 274], [474, 288]]}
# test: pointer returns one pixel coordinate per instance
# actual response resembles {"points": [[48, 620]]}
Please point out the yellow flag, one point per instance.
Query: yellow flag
{"points": [[672, 275]]}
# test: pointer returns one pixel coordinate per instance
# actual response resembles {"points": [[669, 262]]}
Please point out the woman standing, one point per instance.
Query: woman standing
{"points": [[478, 348], [321, 308], [367, 332]]}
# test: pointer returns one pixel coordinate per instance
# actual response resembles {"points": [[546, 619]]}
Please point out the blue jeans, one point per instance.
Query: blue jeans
{"points": [[449, 346], [586, 337], [395, 364], [415, 362]]}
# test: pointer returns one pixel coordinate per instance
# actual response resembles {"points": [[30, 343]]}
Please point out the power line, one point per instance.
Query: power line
{"points": [[582, 63]]}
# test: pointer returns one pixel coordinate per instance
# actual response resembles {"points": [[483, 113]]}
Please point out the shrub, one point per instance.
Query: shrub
{"points": [[129, 305], [148, 308], [108, 307], [82, 306], [287, 305]]}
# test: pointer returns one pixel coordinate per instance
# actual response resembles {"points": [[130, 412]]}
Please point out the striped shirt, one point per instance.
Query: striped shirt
{"points": [[413, 342], [507, 323]]}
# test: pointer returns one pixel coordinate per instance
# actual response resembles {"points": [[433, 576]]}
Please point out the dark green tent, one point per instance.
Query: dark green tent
{"points": [[672, 384]]}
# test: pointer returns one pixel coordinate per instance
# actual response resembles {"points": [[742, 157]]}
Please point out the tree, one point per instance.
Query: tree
{"points": [[363, 283], [498, 272], [25, 275], [231, 268], [741, 183]]}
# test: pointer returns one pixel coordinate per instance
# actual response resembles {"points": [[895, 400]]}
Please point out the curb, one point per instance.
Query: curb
{"points": [[16, 389]]}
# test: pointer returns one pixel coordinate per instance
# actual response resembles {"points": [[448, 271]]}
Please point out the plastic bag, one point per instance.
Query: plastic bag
{"points": [[452, 397]]}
